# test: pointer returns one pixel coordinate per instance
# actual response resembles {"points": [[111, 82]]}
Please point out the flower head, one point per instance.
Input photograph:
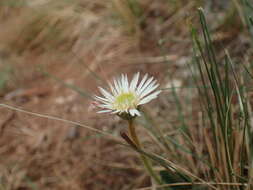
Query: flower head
{"points": [[124, 98]]}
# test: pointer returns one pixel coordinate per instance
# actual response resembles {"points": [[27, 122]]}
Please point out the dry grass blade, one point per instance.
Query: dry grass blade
{"points": [[77, 124]]}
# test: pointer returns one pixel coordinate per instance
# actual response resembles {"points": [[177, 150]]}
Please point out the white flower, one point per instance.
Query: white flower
{"points": [[125, 97]]}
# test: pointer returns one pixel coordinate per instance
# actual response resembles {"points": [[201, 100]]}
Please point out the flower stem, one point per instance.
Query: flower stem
{"points": [[146, 162]]}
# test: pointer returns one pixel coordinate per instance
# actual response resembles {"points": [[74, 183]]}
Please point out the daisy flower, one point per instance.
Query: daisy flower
{"points": [[124, 97]]}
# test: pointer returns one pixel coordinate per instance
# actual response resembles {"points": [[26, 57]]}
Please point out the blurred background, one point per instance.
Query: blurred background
{"points": [[54, 54]]}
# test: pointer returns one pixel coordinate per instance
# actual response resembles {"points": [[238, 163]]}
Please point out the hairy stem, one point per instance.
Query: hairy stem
{"points": [[145, 160]]}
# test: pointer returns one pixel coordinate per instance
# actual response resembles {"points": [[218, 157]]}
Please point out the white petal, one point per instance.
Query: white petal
{"points": [[118, 81], [106, 94], [149, 97], [104, 103], [145, 87], [104, 111], [134, 112], [148, 90], [134, 81], [122, 81], [105, 106], [116, 111], [140, 90], [142, 81], [116, 84], [100, 99], [125, 79], [114, 92]]}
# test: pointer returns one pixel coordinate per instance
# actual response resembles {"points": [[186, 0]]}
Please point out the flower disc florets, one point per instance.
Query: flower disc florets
{"points": [[124, 99]]}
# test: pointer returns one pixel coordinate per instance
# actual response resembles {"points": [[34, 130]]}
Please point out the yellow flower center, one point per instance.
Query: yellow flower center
{"points": [[125, 101]]}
